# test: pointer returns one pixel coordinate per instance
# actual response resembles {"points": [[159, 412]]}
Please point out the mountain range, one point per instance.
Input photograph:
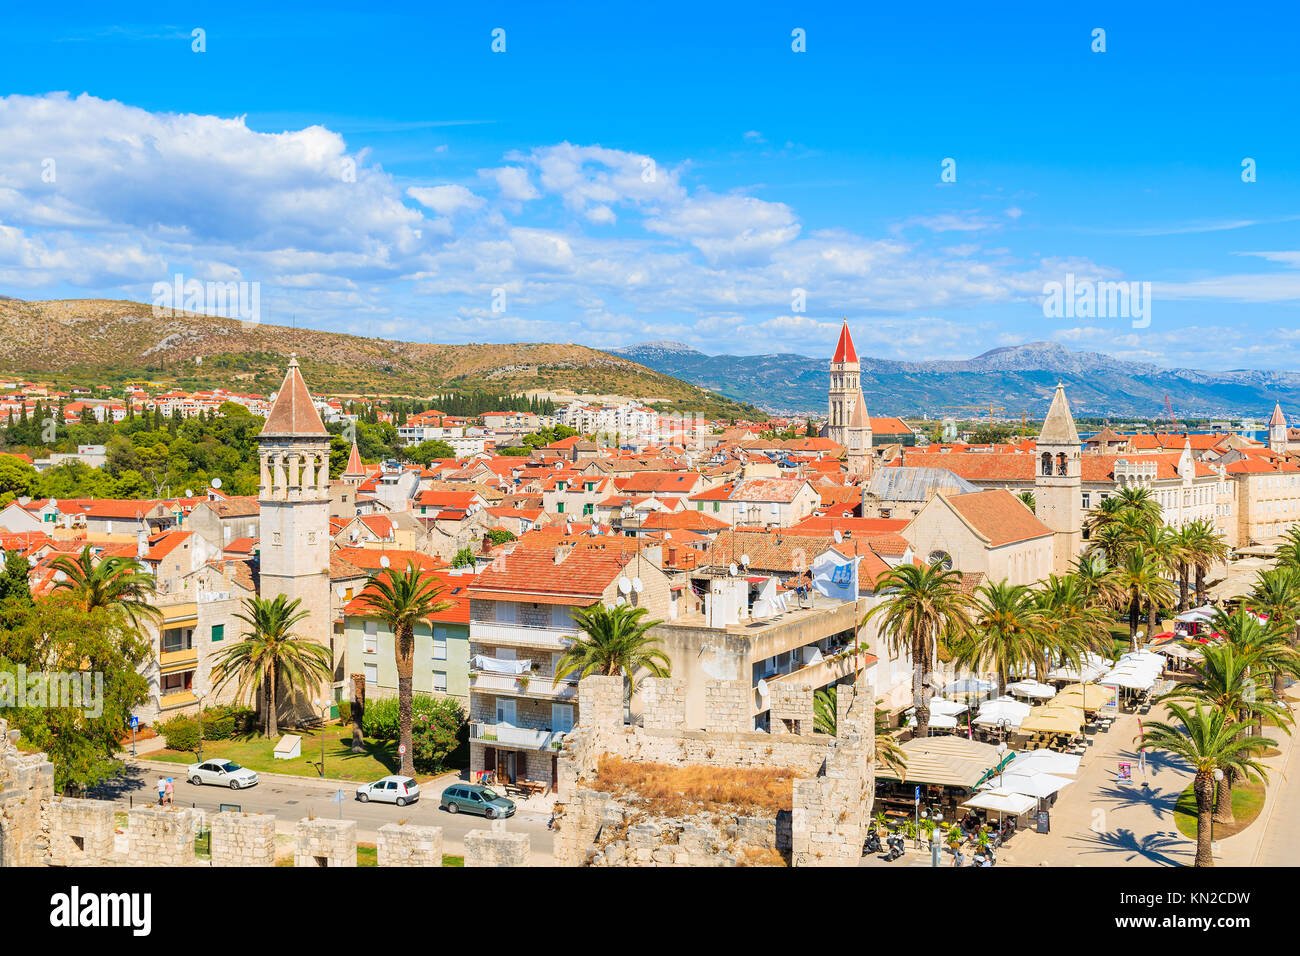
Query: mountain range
{"points": [[1018, 378]]}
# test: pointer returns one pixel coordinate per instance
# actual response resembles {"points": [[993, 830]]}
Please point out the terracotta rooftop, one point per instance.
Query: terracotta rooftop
{"points": [[293, 414], [998, 516]]}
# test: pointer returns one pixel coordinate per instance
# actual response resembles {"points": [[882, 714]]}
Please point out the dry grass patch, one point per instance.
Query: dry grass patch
{"points": [[676, 791], [762, 856]]}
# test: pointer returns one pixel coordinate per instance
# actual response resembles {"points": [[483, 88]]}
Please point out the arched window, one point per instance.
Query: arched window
{"points": [[1047, 463], [1060, 463]]}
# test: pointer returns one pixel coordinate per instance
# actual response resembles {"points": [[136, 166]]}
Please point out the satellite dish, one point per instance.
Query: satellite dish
{"points": [[384, 562], [189, 493], [60, 576], [216, 482], [668, 536], [340, 590], [624, 586], [733, 569], [744, 559], [838, 537], [636, 585], [54, 502], [761, 687], [32, 561]]}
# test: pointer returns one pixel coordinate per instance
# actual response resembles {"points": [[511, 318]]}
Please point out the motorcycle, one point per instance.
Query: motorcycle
{"points": [[873, 843], [895, 844]]}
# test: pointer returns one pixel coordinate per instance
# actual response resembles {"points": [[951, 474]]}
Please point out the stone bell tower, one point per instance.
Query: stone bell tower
{"points": [[1058, 481], [294, 495]]}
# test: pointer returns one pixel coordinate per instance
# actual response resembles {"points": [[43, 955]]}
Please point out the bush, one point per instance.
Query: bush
{"points": [[345, 711], [438, 727], [181, 733], [225, 721]]}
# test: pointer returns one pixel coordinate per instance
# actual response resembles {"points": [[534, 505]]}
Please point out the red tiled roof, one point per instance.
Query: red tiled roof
{"points": [[998, 516], [455, 594], [526, 572], [293, 413], [844, 350]]}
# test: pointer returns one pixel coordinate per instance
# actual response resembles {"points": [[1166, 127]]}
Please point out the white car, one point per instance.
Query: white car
{"points": [[392, 789], [223, 773]]}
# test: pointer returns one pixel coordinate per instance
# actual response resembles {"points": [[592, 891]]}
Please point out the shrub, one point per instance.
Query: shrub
{"points": [[345, 711], [225, 721], [380, 720], [181, 733]]}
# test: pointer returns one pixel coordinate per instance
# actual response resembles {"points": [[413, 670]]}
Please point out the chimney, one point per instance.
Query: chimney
{"points": [[562, 551]]}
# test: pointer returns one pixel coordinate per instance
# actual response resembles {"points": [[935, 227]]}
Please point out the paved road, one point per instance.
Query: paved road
{"points": [[292, 799]]}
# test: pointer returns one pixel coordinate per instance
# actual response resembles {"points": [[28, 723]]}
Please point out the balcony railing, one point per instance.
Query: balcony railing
{"points": [[509, 735], [524, 685], [178, 657], [525, 635]]}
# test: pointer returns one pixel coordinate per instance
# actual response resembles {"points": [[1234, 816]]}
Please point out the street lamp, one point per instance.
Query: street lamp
{"points": [[323, 705], [1002, 750]]}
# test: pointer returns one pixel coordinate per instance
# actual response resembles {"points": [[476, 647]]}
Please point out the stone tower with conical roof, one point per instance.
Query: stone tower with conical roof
{"points": [[294, 496], [845, 390], [1058, 481], [1277, 431]]}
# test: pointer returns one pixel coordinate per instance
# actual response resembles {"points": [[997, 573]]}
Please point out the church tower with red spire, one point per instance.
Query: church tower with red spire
{"points": [[847, 423]]}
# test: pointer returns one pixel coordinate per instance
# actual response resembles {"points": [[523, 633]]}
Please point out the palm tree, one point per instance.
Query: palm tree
{"points": [[824, 711], [120, 584], [888, 754], [1180, 560], [1288, 553], [1270, 651], [926, 608], [1078, 627], [1105, 513], [402, 600], [1205, 548], [1140, 500], [1223, 681], [1158, 544], [1112, 543], [1277, 594], [1099, 584], [1208, 741], [1009, 633], [616, 643], [271, 656], [1143, 581]]}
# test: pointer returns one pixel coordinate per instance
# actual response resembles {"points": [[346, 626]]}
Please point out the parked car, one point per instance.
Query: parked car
{"points": [[475, 798], [223, 773], [392, 789]]}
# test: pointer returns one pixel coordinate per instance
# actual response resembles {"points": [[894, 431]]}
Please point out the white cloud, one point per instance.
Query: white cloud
{"points": [[445, 200], [512, 182]]}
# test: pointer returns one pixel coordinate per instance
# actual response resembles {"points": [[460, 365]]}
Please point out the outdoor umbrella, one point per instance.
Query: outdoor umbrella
{"points": [[950, 708], [1087, 696], [1053, 720], [1034, 785], [1031, 688], [946, 721], [970, 685], [1200, 614], [995, 711], [1003, 801], [1043, 761]]}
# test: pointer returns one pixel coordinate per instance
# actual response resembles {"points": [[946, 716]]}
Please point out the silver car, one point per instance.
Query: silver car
{"points": [[392, 789], [223, 773]]}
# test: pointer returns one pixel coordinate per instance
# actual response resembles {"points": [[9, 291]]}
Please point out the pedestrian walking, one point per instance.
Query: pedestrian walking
{"points": [[162, 791], [171, 791]]}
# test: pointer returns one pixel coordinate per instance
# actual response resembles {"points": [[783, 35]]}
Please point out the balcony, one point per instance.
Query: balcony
{"points": [[523, 635], [180, 658], [508, 735], [524, 685], [180, 699]]}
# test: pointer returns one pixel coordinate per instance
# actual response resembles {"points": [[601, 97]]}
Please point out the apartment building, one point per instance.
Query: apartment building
{"points": [[520, 624]]}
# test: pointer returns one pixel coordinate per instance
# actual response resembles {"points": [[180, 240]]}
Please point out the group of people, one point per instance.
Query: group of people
{"points": [[166, 791]]}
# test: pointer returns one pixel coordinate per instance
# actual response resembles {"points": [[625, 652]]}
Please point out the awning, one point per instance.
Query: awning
{"points": [[1003, 801], [1199, 615], [1031, 688], [1043, 761], [1032, 784], [943, 721], [994, 712], [946, 761], [1053, 720], [1084, 696]]}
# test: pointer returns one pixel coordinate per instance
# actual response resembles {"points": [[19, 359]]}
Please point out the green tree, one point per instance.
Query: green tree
{"points": [[272, 658], [464, 558], [1208, 741], [1009, 634], [616, 642], [924, 609], [402, 600], [14, 582], [1143, 581], [427, 451], [119, 584], [96, 649]]}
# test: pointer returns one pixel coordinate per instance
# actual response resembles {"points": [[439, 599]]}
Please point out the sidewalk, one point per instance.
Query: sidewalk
{"points": [[1274, 836]]}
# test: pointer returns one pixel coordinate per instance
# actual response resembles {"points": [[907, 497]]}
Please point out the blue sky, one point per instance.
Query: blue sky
{"points": [[673, 171]]}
